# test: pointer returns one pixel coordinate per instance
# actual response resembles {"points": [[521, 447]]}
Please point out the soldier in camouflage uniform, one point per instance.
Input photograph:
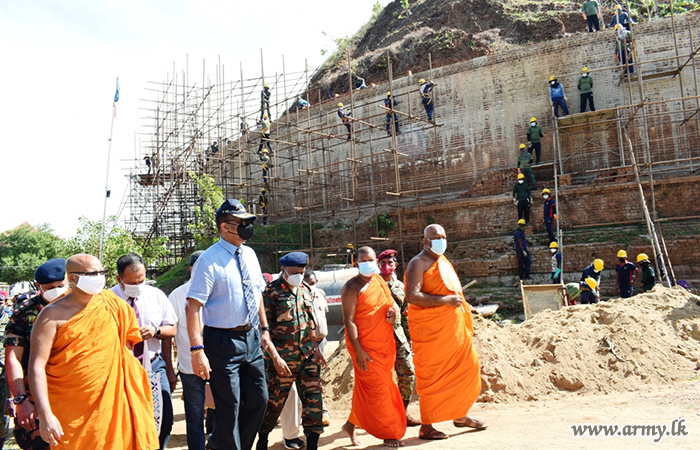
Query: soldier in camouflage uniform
{"points": [[294, 358], [405, 371], [50, 277], [4, 319]]}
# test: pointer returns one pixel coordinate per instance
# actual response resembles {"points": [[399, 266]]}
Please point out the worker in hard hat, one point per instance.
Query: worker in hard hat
{"points": [[265, 158], [264, 125], [390, 103], [534, 134], [591, 293], [426, 91], [623, 49], [359, 83], [573, 291], [585, 85], [350, 250], [346, 120], [550, 213], [265, 101], [262, 201], [592, 15], [555, 276], [626, 273], [302, 104], [648, 274], [524, 164], [521, 251], [522, 198], [620, 16], [556, 94]]}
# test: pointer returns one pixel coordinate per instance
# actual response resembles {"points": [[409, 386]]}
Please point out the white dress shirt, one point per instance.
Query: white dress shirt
{"points": [[178, 298]]}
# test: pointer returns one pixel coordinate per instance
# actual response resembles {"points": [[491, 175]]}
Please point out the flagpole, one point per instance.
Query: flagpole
{"points": [[109, 154]]}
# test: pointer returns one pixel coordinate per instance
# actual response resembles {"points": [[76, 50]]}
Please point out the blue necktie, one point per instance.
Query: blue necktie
{"points": [[253, 318]]}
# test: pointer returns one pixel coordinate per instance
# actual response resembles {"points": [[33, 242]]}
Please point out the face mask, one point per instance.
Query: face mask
{"points": [[545, 197], [245, 232], [91, 285], [438, 246], [585, 74], [294, 280], [533, 124], [53, 294], [553, 250], [367, 268], [133, 290], [521, 181], [552, 83], [622, 260], [387, 269]]}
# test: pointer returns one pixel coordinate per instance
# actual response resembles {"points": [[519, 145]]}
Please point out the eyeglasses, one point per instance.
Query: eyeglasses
{"points": [[240, 222], [90, 274]]}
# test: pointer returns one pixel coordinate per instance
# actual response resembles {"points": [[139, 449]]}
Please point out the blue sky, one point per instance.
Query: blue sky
{"points": [[58, 66]]}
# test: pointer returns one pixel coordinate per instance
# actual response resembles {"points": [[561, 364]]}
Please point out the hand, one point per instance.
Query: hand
{"points": [[524, 253], [391, 315], [362, 358], [556, 217], [50, 429], [147, 332], [615, 57], [454, 301], [265, 340], [321, 360], [515, 201], [172, 379], [26, 415], [281, 366], [200, 365]]}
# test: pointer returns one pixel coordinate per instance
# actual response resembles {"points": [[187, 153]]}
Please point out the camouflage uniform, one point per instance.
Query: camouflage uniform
{"points": [[290, 319], [4, 319], [21, 323], [404, 360]]}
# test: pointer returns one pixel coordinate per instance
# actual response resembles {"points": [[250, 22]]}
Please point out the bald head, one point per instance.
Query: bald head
{"points": [[434, 231], [82, 263], [365, 254]]}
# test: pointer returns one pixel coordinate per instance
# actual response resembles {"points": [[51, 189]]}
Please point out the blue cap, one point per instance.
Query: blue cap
{"points": [[233, 207], [294, 259], [51, 271]]}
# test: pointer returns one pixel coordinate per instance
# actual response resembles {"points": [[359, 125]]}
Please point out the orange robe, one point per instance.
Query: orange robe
{"points": [[377, 406], [98, 391], [448, 375]]}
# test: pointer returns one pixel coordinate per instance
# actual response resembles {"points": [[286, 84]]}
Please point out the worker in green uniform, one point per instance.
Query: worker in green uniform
{"points": [[522, 198], [585, 85], [534, 134], [524, 164], [648, 274]]}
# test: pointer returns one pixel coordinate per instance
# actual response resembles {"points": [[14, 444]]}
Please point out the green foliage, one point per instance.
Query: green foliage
{"points": [[405, 10], [24, 249], [118, 241], [175, 276], [429, 220], [383, 223], [204, 228]]}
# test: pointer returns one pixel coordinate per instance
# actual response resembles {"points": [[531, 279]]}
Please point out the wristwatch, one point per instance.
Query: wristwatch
{"points": [[157, 331], [19, 399]]}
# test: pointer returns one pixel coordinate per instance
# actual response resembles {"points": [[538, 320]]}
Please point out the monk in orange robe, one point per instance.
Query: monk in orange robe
{"points": [[368, 310], [90, 391], [448, 378]]}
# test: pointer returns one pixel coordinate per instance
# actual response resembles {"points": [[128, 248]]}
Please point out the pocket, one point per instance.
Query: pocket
{"points": [[285, 311]]}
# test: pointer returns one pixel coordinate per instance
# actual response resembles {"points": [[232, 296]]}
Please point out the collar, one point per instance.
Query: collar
{"points": [[229, 247]]}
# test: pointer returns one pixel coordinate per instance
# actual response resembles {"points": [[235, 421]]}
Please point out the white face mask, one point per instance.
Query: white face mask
{"points": [[553, 250], [521, 181], [552, 82], [438, 246], [91, 285], [533, 124], [545, 197], [53, 294], [585, 74], [368, 268], [294, 280], [134, 290]]}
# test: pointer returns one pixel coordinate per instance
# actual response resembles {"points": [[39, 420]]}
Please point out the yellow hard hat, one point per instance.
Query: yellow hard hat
{"points": [[522, 146], [552, 78], [422, 80], [351, 246], [521, 222], [521, 176], [617, 25], [533, 119], [340, 105], [388, 94], [598, 265], [622, 254], [545, 191], [591, 282], [263, 189], [618, 7], [585, 69], [642, 257], [264, 116], [553, 244], [267, 86], [265, 150]]}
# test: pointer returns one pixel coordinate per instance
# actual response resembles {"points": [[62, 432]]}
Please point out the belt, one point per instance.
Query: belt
{"points": [[240, 328]]}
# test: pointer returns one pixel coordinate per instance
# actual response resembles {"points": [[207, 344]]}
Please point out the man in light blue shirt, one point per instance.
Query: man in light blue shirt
{"points": [[227, 286]]}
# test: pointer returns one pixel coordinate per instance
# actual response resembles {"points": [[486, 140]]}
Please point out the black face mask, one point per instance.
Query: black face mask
{"points": [[245, 232], [622, 260]]}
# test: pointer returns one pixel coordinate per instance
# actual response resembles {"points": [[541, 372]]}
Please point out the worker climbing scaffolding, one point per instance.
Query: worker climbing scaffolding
{"points": [[346, 120], [524, 165], [262, 201], [264, 125], [426, 91], [265, 95], [265, 158], [623, 49], [390, 103]]}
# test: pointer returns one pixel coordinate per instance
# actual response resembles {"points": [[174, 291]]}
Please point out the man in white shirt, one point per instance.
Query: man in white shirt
{"points": [[157, 321]]}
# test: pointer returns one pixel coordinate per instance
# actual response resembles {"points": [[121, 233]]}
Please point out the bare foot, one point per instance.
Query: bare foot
{"points": [[470, 422], [349, 429], [411, 422], [393, 443], [429, 433]]}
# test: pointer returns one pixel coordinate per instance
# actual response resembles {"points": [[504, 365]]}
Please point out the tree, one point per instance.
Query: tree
{"points": [[204, 228], [118, 241], [24, 249]]}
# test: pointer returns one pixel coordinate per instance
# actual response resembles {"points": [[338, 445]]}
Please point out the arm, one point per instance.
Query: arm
{"points": [[200, 363], [167, 350], [267, 306], [25, 411], [348, 298], [43, 336], [166, 332], [414, 286], [265, 335]]}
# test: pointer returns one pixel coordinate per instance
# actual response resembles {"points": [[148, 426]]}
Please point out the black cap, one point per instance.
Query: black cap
{"points": [[51, 271], [233, 207]]}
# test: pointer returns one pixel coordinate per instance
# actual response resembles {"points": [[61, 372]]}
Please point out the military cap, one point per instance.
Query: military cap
{"points": [[233, 207], [294, 259], [387, 254], [51, 271]]}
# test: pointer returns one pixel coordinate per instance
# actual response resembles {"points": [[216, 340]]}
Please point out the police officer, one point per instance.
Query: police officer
{"points": [[294, 356], [51, 279], [405, 372]]}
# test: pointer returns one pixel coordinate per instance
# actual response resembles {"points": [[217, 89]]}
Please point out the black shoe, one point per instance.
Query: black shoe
{"points": [[293, 444], [262, 441]]}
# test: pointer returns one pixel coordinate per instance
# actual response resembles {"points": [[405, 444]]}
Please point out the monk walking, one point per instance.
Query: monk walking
{"points": [[448, 378], [368, 311], [91, 393]]}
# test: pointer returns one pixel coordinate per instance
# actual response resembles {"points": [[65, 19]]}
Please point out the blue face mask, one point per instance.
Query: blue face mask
{"points": [[438, 246], [367, 268]]}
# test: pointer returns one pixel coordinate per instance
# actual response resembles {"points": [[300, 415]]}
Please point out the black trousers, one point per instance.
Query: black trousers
{"points": [[592, 22], [237, 384], [537, 149], [587, 97], [524, 210]]}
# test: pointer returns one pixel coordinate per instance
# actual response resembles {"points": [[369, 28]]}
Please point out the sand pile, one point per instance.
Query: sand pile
{"points": [[655, 339]]}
